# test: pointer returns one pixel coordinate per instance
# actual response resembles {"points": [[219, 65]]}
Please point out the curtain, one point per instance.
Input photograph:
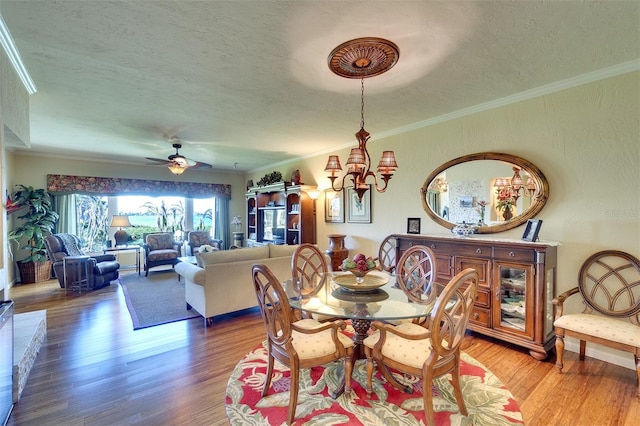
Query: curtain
{"points": [[222, 222], [65, 206], [90, 185]]}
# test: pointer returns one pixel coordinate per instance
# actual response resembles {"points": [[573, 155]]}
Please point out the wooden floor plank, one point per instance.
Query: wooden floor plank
{"points": [[94, 369]]}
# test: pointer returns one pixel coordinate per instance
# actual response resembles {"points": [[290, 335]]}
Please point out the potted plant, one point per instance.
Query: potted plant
{"points": [[37, 222]]}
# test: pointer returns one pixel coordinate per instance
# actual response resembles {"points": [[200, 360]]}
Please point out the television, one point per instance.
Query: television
{"points": [[274, 224]]}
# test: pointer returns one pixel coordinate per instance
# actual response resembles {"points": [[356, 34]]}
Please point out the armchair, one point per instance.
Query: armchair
{"points": [[103, 268], [159, 249], [199, 238]]}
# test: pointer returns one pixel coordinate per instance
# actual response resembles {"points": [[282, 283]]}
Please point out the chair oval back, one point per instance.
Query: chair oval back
{"points": [[387, 254], [274, 305], [609, 282], [451, 313], [416, 273], [309, 269]]}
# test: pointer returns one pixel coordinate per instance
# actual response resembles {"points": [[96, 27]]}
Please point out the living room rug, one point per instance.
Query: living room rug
{"points": [[156, 299], [488, 401]]}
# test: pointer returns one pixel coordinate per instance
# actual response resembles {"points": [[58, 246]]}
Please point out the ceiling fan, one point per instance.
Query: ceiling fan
{"points": [[178, 163]]}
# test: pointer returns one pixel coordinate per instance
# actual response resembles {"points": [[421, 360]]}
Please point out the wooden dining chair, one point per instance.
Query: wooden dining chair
{"points": [[415, 276], [297, 344], [309, 269], [387, 254], [432, 353]]}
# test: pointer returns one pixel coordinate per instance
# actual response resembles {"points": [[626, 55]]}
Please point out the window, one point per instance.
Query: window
{"points": [[146, 214]]}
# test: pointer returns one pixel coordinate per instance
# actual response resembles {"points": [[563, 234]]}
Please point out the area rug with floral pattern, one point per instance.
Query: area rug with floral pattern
{"points": [[488, 401]]}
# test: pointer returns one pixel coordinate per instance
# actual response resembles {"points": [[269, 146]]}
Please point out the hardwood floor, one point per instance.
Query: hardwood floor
{"points": [[95, 370]]}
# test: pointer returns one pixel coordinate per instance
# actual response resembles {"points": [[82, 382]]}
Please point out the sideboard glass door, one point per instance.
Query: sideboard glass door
{"points": [[513, 307]]}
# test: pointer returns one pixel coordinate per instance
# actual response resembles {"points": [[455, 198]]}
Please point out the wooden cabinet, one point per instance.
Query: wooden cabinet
{"points": [[279, 214], [516, 287]]}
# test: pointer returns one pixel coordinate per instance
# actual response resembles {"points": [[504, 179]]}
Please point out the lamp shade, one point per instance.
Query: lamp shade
{"points": [[120, 221], [177, 169]]}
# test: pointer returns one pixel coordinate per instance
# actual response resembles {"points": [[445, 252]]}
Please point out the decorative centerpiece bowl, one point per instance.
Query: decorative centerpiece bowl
{"points": [[360, 266], [361, 274]]}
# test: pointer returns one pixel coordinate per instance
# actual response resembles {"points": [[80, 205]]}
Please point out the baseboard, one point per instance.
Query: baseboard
{"points": [[593, 350]]}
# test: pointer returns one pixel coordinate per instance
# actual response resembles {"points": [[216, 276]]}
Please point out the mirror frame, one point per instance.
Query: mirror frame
{"points": [[538, 200]]}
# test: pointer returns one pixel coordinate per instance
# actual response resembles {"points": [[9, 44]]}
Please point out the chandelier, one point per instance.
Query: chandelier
{"points": [[510, 188], [362, 58]]}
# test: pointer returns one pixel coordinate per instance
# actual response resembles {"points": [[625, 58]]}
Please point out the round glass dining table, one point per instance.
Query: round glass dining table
{"points": [[338, 295]]}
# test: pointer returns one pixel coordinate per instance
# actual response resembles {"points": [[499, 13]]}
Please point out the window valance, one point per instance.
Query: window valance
{"points": [[90, 185]]}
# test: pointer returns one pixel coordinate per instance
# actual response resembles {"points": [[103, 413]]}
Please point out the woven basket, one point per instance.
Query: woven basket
{"points": [[34, 272]]}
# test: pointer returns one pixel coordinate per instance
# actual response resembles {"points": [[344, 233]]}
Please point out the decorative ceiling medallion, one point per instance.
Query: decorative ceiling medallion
{"points": [[363, 57]]}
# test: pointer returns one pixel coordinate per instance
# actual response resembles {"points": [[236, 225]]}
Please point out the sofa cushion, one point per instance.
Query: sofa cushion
{"points": [[160, 241], [281, 250], [226, 256]]}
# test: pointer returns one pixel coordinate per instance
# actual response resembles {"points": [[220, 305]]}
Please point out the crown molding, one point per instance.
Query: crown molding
{"points": [[557, 86], [14, 56]]}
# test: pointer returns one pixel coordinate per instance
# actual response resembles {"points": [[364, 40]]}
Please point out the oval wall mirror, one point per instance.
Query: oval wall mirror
{"points": [[492, 190]]}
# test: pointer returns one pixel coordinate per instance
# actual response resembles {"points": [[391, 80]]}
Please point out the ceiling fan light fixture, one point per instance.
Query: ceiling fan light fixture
{"points": [[177, 169]]}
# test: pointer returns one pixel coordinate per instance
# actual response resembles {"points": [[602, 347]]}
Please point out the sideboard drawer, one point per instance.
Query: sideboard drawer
{"points": [[483, 298], [480, 316], [502, 253]]}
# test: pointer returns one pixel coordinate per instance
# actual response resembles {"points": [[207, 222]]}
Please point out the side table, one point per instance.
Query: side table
{"points": [[126, 248], [76, 273]]}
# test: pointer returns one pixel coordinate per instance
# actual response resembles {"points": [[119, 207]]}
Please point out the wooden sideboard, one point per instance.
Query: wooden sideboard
{"points": [[516, 287]]}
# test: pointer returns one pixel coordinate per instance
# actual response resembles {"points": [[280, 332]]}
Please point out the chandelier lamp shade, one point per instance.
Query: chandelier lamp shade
{"points": [[120, 221], [510, 188], [362, 58]]}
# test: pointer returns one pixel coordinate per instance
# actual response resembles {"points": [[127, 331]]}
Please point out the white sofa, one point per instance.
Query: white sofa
{"points": [[223, 281]]}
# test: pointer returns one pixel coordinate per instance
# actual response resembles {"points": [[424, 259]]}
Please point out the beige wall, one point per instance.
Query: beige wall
{"points": [[586, 140]]}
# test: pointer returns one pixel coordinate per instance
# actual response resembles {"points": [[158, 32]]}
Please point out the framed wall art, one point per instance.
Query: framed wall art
{"points": [[358, 211], [413, 225], [333, 206], [532, 229]]}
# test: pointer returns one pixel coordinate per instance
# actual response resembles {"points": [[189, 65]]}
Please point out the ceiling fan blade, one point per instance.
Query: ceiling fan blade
{"points": [[199, 165], [158, 161]]}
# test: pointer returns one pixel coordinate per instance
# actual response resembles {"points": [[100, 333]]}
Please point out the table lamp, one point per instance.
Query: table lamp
{"points": [[120, 236]]}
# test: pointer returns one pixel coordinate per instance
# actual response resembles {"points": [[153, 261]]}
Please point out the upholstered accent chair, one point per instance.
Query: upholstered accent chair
{"points": [[196, 239], [298, 344], [102, 268], [609, 286], [160, 249], [431, 353]]}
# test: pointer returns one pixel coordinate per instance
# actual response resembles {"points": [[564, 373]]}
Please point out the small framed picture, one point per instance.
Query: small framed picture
{"points": [[413, 225], [532, 229], [358, 211], [333, 206], [466, 201]]}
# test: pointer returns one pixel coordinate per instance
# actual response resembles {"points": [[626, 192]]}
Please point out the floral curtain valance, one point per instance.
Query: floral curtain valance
{"points": [[65, 184]]}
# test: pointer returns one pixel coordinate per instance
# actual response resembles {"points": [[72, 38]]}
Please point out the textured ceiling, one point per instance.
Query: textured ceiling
{"points": [[247, 82]]}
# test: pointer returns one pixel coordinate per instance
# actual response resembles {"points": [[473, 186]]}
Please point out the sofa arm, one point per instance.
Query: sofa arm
{"points": [[191, 272]]}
